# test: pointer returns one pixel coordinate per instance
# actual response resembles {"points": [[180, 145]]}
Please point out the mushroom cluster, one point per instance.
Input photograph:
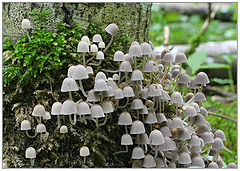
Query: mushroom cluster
{"points": [[143, 88]]}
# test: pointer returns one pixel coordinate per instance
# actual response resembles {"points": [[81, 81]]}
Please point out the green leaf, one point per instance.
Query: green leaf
{"points": [[214, 66], [196, 60], [221, 81]]}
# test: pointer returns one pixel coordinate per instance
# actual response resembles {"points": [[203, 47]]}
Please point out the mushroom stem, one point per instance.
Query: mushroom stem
{"points": [[58, 121], [105, 120], [84, 120], [84, 61], [71, 121], [70, 95], [84, 159], [167, 68], [160, 106], [96, 64], [151, 127], [144, 61], [126, 129], [156, 151], [126, 148], [126, 77], [146, 148], [135, 62], [97, 123], [176, 109], [156, 105], [200, 88], [29, 38], [101, 96], [176, 76], [89, 60], [125, 103], [41, 137], [109, 44], [31, 136], [137, 114], [150, 81], [143, 118], [116, 104], [138, 139], [183, 90], [82, 89], [32, 162]]}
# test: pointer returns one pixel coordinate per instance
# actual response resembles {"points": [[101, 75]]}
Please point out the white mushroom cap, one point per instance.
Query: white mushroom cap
{"points": [[112, 83], [194, 141], [124, 119], [203, 111], [202, 128], [118, 56], [79, 73], [83, 47], [128, 58], [176, 97], [196, 106], [63, 129], [168, 145], [154, 90], [168, 57], [217, 144], [39, 110], [143, 139], [148, 66], [201, 78], [151, 118], [156, 137], [70, 71], [85, 39], [232, 165], [137, 75], [97, 111], [146, 48], [56, 108], [149, 161], [198, 161], [183, 134], [101, 45], [93, 48], [144, 110], [161, 118], [118, 94], [116, 77], [177, 123], [137, 127], [107, 106], [25, 125], [135, 50], [68, 107], [207, 138], [93, 96], [138, 153], [184, 158], [190, 111], [126, 139], [199, 96], [69, 84], [199, 119], [165, 131], [83, 109], [112, 29], [26, 24], [89, 70], [137, 104], [84, 151], [100, 75], [137, 164], [109, 93], [128, 92], [183, 78], [213, 165], [47, 116], [180, 58], [97, 38], [160, 163], [100, 55], [30, 153], [100, 85], [41, 128], [219, 134], [125, 66], [144, 93]]}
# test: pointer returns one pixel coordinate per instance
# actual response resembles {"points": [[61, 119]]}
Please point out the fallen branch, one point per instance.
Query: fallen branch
{"points": [[222, 116], [220, 91]]}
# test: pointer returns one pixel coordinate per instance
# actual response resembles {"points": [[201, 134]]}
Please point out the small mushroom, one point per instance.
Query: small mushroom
{"points": [[31, 154], [84, 152]]}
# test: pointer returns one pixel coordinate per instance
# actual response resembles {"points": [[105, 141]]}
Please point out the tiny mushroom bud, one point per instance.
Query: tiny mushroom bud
{"points": [[26, 24], [30, 153], [97, 38], [112, 29], [138, 153], [84, 151], [149, 161], [63, 129], [39, 110], [25, 125], [118, 56]]}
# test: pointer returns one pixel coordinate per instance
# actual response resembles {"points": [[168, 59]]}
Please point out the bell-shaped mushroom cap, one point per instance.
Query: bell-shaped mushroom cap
{"points": [[165, 131], [183, 78], [144, 110], [68, 108], [181, 58], [137, 127], [100, 85], [100, 55], [168, 57], [26, 24], [176, 98], [177, 123], [125, 119], [219, 134], [97, 111], [89, 70], [126, 139], [100, 75], [109, 93], [168, 145], [174, 67], [198, 161], [203, 111], [101, 45], [84, 151], [93, 48], [112, 29], [83, 47], [118, 94], [146, 48], [128, 92], [30, 153], [149, 161], [207, 137], [25, 125], [41, 128], [143, 139], [69, 84], [217, 144], [154, 90], [129, 58], [161, 118], [138, 153], [144, 93], [137, 75], [47, 116], [85, 39], [148, 66], [159, 162], [184, 158], [188, 97], [192, 84], [196, 106], [220, 162], [183, 134], [107, 106], [213, 165], [56, 108], [232, 165], [194, 141], [199, 96], [190, 111], [151, 118], [165, 96], [118, 56], [125, 66], [97, 38], [70, 71], [199, 119], [156, 137], [79, 73], [137, 104], [63, 129], [83, 109], [201, 78], [137, 164], [116, 77], [135, 50], [93, 96], [39, 110]]}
